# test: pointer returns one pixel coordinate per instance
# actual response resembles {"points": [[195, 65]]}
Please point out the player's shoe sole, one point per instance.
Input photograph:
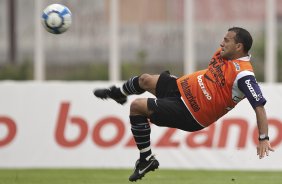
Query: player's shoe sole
{"points": [[112, 92], [143, 167], [102, 93]]}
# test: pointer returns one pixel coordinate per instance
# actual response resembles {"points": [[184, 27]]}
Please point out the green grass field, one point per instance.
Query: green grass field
{"points": [[120, 176]]}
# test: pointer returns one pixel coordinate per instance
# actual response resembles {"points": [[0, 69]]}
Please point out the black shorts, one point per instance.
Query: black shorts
{"points": [[168, 108]]}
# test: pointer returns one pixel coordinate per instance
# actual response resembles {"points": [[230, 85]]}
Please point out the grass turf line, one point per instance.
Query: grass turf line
{"points": [[120, 176]]}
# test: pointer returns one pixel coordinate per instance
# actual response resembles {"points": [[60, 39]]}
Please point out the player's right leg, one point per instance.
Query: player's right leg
{"points": [[141, 132], [135, 85]]}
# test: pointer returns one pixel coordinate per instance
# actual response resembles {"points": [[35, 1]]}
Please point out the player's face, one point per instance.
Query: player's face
{"points": [[229, 46]]}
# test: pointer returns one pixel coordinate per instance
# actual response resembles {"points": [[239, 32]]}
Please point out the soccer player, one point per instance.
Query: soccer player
{"points": [[193, 101]]}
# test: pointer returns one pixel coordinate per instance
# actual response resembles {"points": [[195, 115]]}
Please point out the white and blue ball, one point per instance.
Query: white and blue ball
{"points": [[56, 18]]}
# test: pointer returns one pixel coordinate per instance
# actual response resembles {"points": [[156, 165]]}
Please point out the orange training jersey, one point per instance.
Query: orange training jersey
{"points": [[211, 93]]}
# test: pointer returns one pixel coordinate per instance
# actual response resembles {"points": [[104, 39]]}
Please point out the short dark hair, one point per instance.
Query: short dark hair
{"points": [[243, 36]]}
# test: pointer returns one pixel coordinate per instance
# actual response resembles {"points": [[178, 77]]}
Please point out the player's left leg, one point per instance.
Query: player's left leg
{"points": [[141, 131], [135, 85]]}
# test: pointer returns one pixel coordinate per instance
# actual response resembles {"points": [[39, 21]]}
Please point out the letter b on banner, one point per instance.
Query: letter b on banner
{"points": [[61, 127]]}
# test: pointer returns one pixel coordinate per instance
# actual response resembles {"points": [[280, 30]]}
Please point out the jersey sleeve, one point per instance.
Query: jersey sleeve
{"points": [[249, 86]]}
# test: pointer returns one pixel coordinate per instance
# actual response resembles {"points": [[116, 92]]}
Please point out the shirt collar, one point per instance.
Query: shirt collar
{"points": [[245, 58]]}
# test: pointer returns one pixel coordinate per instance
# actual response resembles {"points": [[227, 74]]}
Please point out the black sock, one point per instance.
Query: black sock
{"points": [[141, 131], [131, 86]]}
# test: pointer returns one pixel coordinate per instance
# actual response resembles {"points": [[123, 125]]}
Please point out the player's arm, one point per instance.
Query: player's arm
{"points": [[251, 90], [264, 146]]}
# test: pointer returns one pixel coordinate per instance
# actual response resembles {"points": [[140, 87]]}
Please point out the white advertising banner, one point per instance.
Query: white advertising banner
{"points": [[61, 124]]}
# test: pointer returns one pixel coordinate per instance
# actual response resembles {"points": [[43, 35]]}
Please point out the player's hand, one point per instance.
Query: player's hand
{"points": [[263, 148]]}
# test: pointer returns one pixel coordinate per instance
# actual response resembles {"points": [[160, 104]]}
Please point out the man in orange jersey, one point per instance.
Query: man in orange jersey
{"points": [[193, 101]]}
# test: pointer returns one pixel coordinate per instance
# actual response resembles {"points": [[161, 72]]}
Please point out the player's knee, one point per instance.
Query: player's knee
{"points": [[145, 81], [135, 106], [138, 107]]}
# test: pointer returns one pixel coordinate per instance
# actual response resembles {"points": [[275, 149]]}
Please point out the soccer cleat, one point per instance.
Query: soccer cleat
{"points": [[112, 92], [143, 167]]}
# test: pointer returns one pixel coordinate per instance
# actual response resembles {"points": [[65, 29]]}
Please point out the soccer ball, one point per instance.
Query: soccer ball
{"points": [[56, 18]]}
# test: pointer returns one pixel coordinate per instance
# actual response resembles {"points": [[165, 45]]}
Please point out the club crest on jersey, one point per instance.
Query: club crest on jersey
{"points": [[237, 66]]}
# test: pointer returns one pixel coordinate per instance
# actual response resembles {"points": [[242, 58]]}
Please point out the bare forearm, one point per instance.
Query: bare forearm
{"points": [[261, 120], [264, 146]]}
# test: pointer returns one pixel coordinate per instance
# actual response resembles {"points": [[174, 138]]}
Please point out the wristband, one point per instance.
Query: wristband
{"points": [[263, 137]]}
